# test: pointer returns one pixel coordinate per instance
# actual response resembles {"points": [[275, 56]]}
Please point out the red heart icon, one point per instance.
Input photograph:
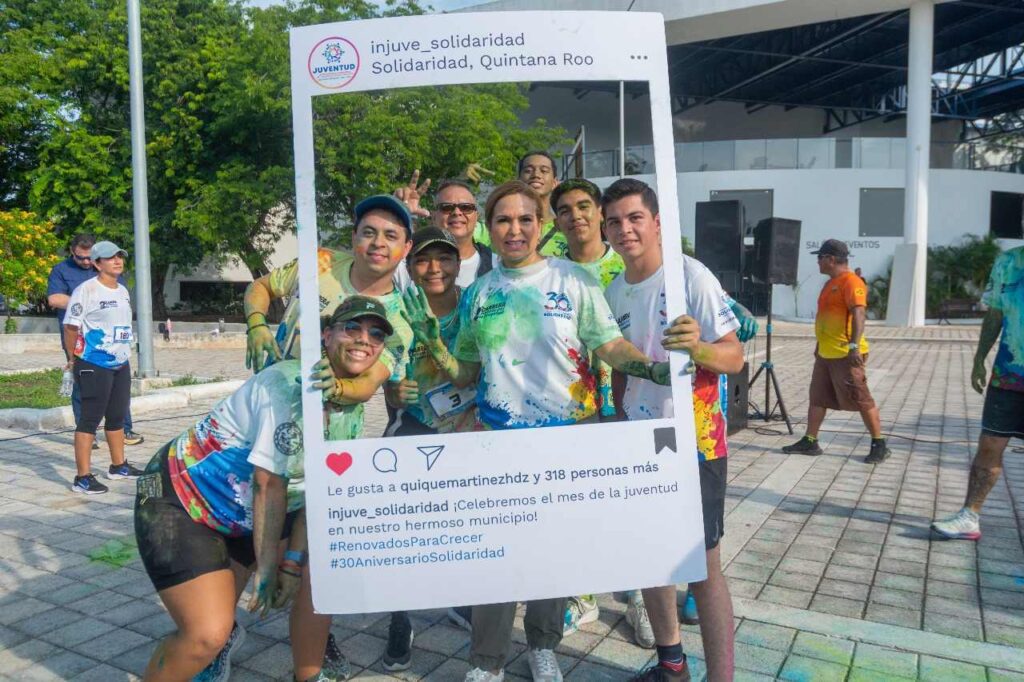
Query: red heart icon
{"points": [[339, 462]]}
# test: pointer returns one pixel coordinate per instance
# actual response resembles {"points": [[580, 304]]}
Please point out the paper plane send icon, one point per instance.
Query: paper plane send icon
{"points": [[431, 452]]}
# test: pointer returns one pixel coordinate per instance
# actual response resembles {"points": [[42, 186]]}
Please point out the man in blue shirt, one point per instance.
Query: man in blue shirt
{"points": [[64, 277]]}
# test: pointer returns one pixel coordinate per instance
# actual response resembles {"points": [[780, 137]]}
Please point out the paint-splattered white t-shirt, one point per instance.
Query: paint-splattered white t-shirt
{"points": [[533, 329]]}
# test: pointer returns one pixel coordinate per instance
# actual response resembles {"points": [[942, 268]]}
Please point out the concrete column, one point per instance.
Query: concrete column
{"points": [[909, 275]]}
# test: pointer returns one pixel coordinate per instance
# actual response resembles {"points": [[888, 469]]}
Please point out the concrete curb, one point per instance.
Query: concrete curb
{"points": [[168, 398]]}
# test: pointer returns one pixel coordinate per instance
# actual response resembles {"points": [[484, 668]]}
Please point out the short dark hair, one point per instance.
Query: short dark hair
{"points": [[536, 152], [581, 184], [452, 182], [510, 188], [84, 240], [627, 187]]}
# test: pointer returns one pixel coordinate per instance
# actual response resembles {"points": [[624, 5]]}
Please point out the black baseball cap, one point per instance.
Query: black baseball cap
{"points": [[833, 247], [385, 202], [355, 307], [432, 236]]}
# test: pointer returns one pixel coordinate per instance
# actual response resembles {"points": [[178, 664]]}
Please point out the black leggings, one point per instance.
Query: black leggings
{"points": [[105, 395]]}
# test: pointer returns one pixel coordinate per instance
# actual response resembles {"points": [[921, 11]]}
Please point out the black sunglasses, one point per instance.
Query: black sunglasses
{"points": [[448, 207]]}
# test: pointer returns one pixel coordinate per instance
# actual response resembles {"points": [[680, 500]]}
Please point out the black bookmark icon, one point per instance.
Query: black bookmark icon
{"points": [[664, 438]]}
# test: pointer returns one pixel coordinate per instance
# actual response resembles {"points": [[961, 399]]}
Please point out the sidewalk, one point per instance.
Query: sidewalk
{"points": [[830, 563]]}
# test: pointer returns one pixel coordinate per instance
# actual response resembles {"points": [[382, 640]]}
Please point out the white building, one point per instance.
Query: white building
{"points": [[800, 109]]}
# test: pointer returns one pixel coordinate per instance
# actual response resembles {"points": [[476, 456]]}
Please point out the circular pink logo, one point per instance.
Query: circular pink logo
{"points": [[333, 62]]}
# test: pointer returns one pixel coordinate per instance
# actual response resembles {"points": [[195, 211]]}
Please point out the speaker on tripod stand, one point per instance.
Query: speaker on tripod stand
{"points": [[776, 256]]}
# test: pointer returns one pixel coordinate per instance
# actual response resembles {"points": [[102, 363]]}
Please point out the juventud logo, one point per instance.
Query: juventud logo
{"points": [[333, 62]]}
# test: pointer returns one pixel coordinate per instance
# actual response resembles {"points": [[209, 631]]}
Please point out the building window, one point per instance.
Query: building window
{"points": [[881, 212], [1006, 219], [757, 204]]}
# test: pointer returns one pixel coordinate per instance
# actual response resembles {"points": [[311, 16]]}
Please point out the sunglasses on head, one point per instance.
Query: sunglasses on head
{"points": [[354, 330], [448, 207]]}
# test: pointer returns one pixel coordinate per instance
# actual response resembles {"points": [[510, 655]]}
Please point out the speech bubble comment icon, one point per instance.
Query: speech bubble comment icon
{"points": [[431, 452], [385, 461]]}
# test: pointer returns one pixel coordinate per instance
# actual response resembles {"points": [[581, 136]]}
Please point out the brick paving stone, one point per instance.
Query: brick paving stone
{"points": [[758, 659], [765, 635], [963, 628], [832, 649], [786, 596], [837, 606], [884, 660], [842, 588], [894, 615], [936, 669], [863, 675], [995, 675], [802, 669]]}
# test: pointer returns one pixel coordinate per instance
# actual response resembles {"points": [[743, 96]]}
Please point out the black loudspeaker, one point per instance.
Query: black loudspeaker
{"points": [[719, 227], [776, 250], [738, 407]]}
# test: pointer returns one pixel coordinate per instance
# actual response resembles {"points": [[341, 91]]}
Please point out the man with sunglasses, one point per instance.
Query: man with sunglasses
{"points": [[838, 381], [64, 279]]}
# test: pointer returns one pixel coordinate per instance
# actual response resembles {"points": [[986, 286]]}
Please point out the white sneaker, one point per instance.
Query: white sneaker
{"points": [[544, 666], [478, 675], [579, 610], [636, 616], [960, 526]]}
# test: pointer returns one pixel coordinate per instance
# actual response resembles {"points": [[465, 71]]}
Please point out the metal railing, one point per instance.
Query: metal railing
{"points": [[807, 153]]}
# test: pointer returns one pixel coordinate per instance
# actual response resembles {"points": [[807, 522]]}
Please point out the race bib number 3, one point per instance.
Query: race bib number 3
{"points": [[446, 399], [122, 334]]}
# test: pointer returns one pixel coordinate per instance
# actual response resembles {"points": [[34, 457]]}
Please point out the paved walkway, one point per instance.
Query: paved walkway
{"points": [[832, 570]]}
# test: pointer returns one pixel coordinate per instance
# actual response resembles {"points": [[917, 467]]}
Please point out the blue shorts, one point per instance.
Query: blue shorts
{"points": [[1003, 414]]}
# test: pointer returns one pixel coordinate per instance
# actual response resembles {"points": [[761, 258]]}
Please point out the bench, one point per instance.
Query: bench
{"points": [[957, 307]]}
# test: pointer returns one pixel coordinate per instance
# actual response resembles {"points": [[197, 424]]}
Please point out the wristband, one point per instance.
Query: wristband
{"points": [[296, 556], [853, 346], [257, 326], [293, 574], [256, 312]]}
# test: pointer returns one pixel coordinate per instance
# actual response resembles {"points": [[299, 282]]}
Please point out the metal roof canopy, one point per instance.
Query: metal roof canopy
{"points": [[856, 69]]}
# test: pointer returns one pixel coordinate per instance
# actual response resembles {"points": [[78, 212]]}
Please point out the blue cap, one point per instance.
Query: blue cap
{"points": [[106, 250], [385, 202]]}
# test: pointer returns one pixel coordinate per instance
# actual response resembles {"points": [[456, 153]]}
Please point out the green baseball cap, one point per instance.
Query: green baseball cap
{"points": [[355, 307]]}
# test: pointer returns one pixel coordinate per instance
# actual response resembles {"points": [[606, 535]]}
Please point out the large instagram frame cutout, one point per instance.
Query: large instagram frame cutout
{"points": [[474, 518]]}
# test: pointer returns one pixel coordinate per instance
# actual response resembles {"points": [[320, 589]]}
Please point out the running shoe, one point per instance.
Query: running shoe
{"points": [[399, 649], [690, 616], [960, 526], [88, 485], [133, 438], [219, 669], [461, 616], [636, 616], [879, 452], [544, 665], [579, 610], [478, 675], [804, 446], [124, 470], [660, 673], [335, 666]]}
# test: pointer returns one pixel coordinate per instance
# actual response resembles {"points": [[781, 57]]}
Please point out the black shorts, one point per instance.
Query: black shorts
{"points": [[176, 549], [712, 498], [1003, 414]]}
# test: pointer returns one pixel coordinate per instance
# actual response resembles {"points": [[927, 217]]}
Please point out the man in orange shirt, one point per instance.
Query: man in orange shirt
{"points": [[838, 381]]}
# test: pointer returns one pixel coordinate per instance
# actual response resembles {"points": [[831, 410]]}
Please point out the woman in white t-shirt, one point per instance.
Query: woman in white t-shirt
{"points": [[527, 331]]}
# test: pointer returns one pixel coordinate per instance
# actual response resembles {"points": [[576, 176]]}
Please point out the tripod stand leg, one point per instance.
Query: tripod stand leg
{"points": [[782, 405], [763, 412]]}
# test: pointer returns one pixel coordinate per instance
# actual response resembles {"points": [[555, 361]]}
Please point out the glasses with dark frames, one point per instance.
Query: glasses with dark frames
{"points": [[354, 330], [449, 207]]}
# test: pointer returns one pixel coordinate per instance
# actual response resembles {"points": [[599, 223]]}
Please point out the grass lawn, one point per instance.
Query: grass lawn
{"points": [[36, 389]]}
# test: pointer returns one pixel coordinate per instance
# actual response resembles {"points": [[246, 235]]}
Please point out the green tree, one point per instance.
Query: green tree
{"points": [[28, 249]]}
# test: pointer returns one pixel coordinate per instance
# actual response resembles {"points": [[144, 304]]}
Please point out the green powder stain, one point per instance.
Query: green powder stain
{"points": [[521, 318], [117, 553]]}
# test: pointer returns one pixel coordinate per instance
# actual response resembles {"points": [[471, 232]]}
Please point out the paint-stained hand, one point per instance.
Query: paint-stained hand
{"points": [[260, 346], [474, 172], [412, 193], [323, 378], [661, 373], [407, 391], [287, 588], [264, 589], [979, 375], [420, 317], [682, 334]]}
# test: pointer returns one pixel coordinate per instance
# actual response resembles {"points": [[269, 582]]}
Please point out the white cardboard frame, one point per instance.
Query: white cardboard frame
{"points": [[573, 547]]}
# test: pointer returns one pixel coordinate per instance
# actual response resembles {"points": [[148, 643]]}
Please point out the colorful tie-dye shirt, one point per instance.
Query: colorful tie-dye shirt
{"points": [[1005, 293], [532, 329], [457, 406], [605, 269], [640, 312], [335, 286], [834, 322], [260, 424], [104, 320]]}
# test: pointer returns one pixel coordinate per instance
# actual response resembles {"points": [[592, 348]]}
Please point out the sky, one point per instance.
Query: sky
{"points": [[438, 5]]}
